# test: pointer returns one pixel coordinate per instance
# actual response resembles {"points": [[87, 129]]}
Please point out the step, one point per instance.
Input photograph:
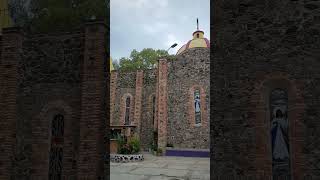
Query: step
{"points": [[188, 152]]}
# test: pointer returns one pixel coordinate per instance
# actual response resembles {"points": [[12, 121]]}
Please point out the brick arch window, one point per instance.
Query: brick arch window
{"points": [[127, 106], [153, 109], [127, 111], [197, 106], [278, 103], [277, 95], [56, 149]]}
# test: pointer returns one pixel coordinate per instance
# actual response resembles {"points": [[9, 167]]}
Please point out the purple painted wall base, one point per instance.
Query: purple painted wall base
{"points": [[187, 153]]}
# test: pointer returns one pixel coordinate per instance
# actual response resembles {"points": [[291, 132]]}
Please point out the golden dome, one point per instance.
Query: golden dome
{"points": [[198, 41]]}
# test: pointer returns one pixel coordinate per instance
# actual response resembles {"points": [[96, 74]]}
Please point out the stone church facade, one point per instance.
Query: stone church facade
{"points": [[265, 90], [53, 102], [167, 105]]}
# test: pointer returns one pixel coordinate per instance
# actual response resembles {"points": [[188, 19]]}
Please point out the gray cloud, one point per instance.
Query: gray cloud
{"points": [[138, 24]]}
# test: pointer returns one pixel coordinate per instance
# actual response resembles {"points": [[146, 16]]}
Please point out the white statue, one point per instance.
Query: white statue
{"points": [[197, 103], [279, 129]]}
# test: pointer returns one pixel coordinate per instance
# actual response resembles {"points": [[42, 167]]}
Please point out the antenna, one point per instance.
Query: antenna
{"points": [[197, 24]]}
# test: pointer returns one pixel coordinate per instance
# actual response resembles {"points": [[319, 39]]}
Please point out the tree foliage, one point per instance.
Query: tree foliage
{"points": [[65, 15], [116, 65], [145, 59]]}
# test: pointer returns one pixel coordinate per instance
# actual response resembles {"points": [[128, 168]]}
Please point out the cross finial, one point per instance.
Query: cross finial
{"points": [[197, 24]]}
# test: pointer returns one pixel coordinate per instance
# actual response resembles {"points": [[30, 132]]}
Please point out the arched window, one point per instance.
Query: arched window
{"points": [[127, 112], [197, 105], [280, 134], [56, 150], [153, 109]]}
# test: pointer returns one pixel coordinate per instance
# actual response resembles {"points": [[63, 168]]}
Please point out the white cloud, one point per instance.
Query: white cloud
{"points": [[154, 23], [155, 27], [184, 18], [146, 4], [162, 3]]}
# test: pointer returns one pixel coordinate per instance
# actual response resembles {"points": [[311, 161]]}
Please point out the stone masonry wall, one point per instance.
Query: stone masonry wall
{"points": [[43, 75], [50, 84], [259, 46], [113, 89], [125, 84], [149, 91], [190, 69], [11, 55], [93, 103], [47, 81], [162, 102], [138, 101]]}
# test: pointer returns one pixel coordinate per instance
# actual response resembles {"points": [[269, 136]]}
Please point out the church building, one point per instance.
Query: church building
{"points": [[167, 106]]}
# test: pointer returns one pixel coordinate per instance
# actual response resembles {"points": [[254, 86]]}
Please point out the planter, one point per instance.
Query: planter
{"points": [[113, 146], [159, 152], [126, 158]]}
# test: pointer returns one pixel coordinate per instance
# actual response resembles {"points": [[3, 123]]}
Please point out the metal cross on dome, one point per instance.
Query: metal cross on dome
{"points": [[197, 24]]}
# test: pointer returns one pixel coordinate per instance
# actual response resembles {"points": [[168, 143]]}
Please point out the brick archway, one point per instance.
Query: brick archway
{"points": [[203, 108], [42, 138], [123, 109], [260, 120]]}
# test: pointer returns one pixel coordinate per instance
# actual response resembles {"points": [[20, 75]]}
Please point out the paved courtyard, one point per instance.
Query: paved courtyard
{"points": [[162, 168]]}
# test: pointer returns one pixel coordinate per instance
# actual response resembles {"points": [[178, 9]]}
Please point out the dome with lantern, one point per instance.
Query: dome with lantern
{"points": [[198, 41]]}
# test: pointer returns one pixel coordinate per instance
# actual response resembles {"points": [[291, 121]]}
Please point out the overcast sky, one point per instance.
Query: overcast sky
{"points": [[157, 24]]}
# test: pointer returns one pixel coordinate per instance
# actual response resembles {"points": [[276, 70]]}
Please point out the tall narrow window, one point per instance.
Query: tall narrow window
{"points": [[197, 106], [127, 114], [153, 109], [280, 134], [56, 150]]}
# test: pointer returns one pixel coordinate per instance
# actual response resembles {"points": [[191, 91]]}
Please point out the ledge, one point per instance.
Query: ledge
{"points": [[188, 152], [121, 126]]}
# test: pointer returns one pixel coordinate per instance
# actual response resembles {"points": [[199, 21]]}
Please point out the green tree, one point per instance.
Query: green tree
{"points": [[65, 15], [115, 64], [145, 59]]}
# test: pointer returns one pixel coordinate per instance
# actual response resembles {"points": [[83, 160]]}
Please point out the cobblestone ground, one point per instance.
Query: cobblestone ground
{"points": [[162, 168]]}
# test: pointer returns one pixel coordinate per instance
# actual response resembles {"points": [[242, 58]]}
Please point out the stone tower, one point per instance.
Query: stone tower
{"points": [[53, 104], [183, 96]]}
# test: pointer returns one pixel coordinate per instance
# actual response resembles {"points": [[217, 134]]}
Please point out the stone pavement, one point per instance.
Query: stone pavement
{"points": [[162, 168]]}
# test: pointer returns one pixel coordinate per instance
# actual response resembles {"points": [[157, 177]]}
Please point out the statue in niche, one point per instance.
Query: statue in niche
{"points": [[280, 134], [197, 107]]}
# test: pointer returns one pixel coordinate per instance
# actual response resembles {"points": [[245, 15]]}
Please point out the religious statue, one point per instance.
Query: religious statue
{"points": [[279, 131], [197, 103], [279, 134], [197, 107]]}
